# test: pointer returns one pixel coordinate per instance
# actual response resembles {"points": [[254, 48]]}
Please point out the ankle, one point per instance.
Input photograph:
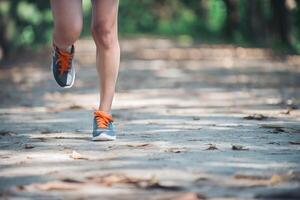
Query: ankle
{"points": [[64, 48], [107, 111]]}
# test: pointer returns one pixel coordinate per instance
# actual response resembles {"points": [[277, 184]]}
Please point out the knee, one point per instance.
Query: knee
{"points": [[104, 34], [69, 32]]}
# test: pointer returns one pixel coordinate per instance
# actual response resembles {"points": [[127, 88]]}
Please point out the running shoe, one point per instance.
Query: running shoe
{"points": [[103, 127], [63, 67]]}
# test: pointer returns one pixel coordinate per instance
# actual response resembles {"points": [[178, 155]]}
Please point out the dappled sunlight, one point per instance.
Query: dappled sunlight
{"points": [[183, 115]]}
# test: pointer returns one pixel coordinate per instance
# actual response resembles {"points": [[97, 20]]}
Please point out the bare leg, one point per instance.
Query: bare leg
{"points": [[105, 33], [67, 16]]}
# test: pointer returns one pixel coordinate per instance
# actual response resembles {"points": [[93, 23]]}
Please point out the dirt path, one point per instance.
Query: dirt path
{"points": [[194, 122]]}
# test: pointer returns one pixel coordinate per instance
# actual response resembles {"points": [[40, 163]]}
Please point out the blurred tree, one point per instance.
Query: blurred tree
{"points": [[24, 23], [232, 18], [28, 23], [255, 21], [281, 21]]}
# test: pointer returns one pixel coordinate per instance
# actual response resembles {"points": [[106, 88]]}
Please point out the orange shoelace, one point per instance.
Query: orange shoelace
{"points": [[102, 118], [64, 60]]}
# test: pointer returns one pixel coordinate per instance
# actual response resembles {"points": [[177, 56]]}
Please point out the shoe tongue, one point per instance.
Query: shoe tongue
{"points": [[68, 49]]}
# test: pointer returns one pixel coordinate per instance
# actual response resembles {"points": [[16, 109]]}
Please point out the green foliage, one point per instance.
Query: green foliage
{"points": [[29, 22], [216, 15]]}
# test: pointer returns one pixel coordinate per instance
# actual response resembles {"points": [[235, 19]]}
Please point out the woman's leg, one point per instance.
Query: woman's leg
{"points": [[105, 33], [67, 15]]}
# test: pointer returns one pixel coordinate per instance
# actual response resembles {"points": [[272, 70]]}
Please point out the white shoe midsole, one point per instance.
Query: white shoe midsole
{"points": [[104, 137]]}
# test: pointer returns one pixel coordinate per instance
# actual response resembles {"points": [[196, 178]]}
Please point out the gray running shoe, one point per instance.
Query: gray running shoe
{"points": [[63, 67], [102, 127]]}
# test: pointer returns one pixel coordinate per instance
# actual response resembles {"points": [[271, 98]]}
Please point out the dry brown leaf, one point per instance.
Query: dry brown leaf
{"points": [[138, 145], [189, 196], [47, 131], [117, 178], [271, 126], [286, 112], [275, 127], [176, 150], [194, 140], [239, 147], [112, 179], [161, 186], [7, 133], [295, 142], [57, 185], [212, 147], [40, 139], [75, 155], [28, 146], [250, 177], [256, 117], [264, 180], [75, 107]]}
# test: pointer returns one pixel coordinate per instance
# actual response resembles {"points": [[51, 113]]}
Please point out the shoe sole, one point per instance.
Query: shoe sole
{"points": [[68, 86], [104, 137]]}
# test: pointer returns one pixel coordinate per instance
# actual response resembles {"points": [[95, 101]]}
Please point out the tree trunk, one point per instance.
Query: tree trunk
{"points": [[232, 18], [255, 21], [281, 21]]}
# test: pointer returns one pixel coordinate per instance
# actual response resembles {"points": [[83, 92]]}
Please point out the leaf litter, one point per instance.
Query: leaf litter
{"points": [[260, 180], [237, 147], [28, 146], [274, 127], [106, 180], [256, 117], [295, 142], [177, 150], [139, 145], [212, 147], [7, 133]]}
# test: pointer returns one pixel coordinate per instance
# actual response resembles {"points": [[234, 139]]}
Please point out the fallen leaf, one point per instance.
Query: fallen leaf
{"points": [[258, 180], [138, 145], [75, 107], [118, 178], [278, 130], [212, 147], [40, 139], [155, 184], [114, 178], [295, 142], [239, 147], [201, 179], [286, 112], [250, 177], [57, 185], [28, 146], [194, 140], [277, 143], [75, 155], [271, 126], [70, 180], [7, 133], [176, 150], [47, 131], [188, 196], [275, 128], [256, 117]]}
